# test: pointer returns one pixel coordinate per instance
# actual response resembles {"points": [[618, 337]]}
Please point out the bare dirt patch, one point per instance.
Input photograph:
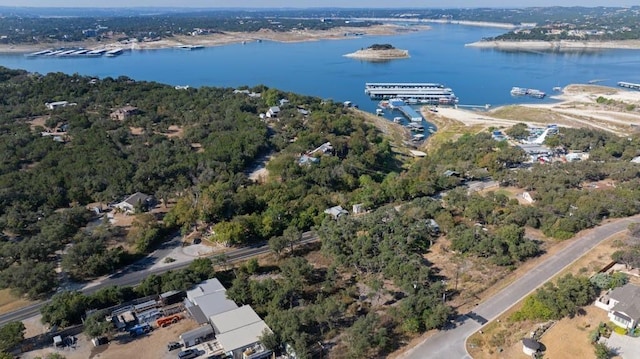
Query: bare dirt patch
{"points": [[151, 346], [136, 131], [569, 337], [174, 131], [39, 121]]}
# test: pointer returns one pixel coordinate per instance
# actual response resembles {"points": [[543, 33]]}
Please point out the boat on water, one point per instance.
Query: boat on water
{"points": [[379, 112], [383, 104], [417, 137], [431, 130], [433, 109], [415, 127], [397, 119], [429, 93]]}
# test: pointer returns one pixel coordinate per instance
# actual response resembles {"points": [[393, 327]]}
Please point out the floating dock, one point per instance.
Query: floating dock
{"points": [[629, 85], [38, 53], [430, 93], [410, 113], [114, 52]]}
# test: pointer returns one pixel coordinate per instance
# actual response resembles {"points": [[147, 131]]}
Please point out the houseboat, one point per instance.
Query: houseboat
{"points": [[522, 91]]}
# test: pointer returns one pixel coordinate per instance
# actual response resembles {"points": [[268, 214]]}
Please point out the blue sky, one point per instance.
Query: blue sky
{"points": [[314, 3]]}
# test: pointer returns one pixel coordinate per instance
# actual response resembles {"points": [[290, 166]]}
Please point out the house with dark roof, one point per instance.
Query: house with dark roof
{"points": [[136, 201], [622, 305]]}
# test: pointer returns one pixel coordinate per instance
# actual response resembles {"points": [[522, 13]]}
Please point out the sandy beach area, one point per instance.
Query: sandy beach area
{"points": [[611, 109], [565, 45], [337, 33]]}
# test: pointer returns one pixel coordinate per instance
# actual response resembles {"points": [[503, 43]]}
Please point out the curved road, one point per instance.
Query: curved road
{"points": [[133, 275], [451, 343]]}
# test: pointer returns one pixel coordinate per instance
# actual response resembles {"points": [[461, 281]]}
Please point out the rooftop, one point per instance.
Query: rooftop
{"points": [[243, 336], [628, 297], [215, 303], [207, 287], [234, 319]]}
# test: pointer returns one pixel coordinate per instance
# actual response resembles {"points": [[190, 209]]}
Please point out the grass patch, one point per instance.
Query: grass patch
{"points": [[10, 302]]}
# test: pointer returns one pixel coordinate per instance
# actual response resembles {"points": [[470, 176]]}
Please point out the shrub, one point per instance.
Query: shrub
{"points": [[620, 330]]}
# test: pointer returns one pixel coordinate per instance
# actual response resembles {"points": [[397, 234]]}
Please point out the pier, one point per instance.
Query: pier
{"points": [[629, 85]]}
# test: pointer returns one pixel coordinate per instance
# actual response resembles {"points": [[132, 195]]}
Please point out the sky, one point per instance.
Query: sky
{"points": [[315, 3]]}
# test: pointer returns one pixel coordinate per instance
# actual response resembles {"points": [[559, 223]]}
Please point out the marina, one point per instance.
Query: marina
{"points": [[428, 93], [76, 52]]}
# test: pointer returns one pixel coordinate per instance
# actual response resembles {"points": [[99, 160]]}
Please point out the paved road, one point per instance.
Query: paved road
{"points": [[138, 271], [450, 344]]}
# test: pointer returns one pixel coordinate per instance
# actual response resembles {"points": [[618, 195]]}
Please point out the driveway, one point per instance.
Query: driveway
{"points": [[625, 346], [450, 343]]}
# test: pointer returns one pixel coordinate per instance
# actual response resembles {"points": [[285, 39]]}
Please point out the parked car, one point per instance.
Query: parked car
{"points": [[189, 354], [174, 345]]}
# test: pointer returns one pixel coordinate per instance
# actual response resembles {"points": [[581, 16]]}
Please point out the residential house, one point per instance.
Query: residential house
{"points": [[57, 104], [136, 201], [336, 212], [124, 112], [323, 148], [622, 305], [273, 111], [306, 160]]}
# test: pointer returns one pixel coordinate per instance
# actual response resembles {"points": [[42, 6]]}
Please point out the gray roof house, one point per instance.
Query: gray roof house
{"points": [[137, 199], [273, 111], [336, 212], [623, 305]]}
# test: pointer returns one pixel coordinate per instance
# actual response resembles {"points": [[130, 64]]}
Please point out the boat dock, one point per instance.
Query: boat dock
{"points": [[629, 85], [114, 52], [39, 53], [430, 93], [410, 113]]}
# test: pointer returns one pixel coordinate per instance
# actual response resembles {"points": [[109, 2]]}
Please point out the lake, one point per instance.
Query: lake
{"points": [[477, 76]]}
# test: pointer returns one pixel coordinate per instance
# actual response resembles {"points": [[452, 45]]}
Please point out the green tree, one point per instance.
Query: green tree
{"points": [[95, 325], [11, 334]]}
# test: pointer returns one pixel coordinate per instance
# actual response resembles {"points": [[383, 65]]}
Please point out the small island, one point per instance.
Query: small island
{"points": [[379, 52]]}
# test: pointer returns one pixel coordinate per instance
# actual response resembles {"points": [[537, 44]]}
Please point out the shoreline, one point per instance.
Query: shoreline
{"points": [[562, 45], [221, 39]]}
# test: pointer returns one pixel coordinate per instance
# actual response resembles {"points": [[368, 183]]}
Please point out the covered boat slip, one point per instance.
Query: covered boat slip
{"points": [[423, 92]]}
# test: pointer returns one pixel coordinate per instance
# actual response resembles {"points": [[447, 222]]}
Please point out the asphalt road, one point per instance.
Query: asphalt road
{"points": [[450, 343], [137, 272]]}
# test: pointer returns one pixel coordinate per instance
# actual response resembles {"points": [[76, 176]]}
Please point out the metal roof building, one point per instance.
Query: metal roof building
{"points": [[234, 319]]}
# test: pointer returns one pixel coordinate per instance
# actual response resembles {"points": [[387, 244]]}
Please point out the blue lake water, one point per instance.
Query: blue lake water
{"points": [[477, 76]]}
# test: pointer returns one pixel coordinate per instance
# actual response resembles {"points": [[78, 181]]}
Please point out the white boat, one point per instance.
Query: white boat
{"points": [[433, 109], [418, 137], [379, 112], [397, 119]]}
